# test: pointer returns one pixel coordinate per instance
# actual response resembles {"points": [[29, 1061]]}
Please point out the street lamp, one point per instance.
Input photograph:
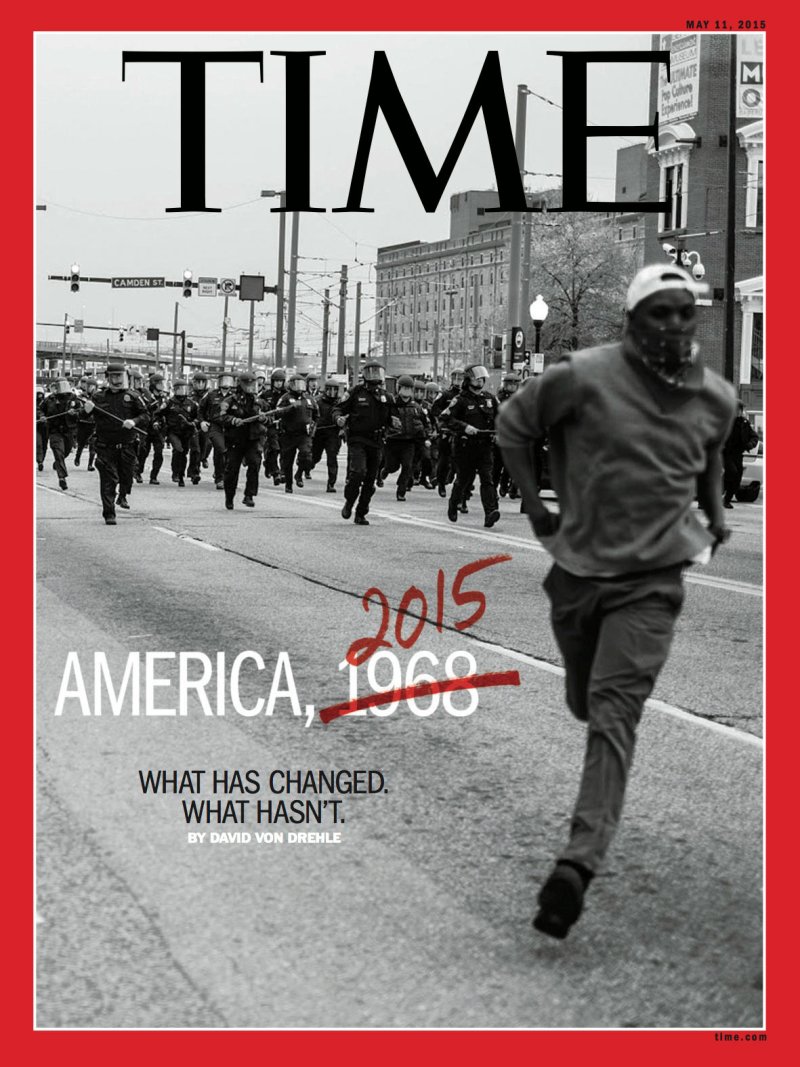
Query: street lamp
{"points": [[281, 257], [538, 310]]}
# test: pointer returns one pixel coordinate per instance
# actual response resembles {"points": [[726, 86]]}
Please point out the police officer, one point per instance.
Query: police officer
{"points": [[211, 422], [155, 400], [327, 435], [41, 428], [60, 411], [199, 442], [244, 418], [85, 428], [470, 417], [118, 412], [502, 479], [367, 412], [180, 418], [401, 443], [444, 463], [272, 451], [296, 414]]}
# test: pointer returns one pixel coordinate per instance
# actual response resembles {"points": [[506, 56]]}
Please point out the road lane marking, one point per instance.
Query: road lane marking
{"points": [[207, 545], [657, 705], [730, 585]]}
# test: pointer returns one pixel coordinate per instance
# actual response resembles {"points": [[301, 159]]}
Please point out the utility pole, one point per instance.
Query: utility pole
{"points": [[281, 261], [730, 237], [64, 348], [292, 289], [516, 221], [175, 344], [326, 311], [250, 337], [340, 357], [525, 300], [224, 331], [357, 325]]}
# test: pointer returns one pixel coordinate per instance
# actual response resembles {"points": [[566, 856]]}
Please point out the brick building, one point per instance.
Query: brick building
{"points": [[689, 171]]}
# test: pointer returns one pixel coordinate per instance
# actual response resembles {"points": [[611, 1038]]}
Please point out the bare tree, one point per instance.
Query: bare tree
{"points": [[582, 274]]}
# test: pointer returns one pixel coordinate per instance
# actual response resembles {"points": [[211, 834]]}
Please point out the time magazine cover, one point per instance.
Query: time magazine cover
{"points": [[400, 406]]}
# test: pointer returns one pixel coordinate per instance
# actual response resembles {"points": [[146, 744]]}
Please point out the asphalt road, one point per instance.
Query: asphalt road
{"points": [[420, 915]]}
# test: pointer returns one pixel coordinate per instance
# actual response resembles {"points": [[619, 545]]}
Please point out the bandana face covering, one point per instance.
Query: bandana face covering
{"points": [[668, 353]]}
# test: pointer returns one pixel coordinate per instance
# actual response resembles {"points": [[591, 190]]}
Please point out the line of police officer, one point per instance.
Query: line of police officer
{"points": [[432, 438]]}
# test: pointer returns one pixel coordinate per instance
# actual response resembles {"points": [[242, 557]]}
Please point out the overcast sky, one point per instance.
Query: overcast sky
{"points": [[108, 162]]}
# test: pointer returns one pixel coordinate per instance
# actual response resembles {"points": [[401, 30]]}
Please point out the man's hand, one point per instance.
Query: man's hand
{"points": [[236, 421], [341, 421], [88, 407], [470, 430], [204, 427], [721, 535], [545, 523], [129, 424], [396, 423]]}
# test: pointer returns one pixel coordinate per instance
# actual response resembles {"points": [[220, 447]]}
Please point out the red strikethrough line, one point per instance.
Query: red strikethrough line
{"points": [[424, 689]]}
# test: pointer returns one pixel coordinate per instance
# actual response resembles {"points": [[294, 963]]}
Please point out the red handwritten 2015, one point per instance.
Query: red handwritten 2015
{"points": [[363, 648]]}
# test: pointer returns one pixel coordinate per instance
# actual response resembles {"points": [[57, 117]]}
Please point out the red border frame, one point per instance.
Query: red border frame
{"points": [[30, 1047]]}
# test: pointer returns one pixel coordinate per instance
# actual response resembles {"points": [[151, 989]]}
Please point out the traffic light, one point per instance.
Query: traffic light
{"points": [[75, 278], [122, 335], [497, 348], [187, 283]]}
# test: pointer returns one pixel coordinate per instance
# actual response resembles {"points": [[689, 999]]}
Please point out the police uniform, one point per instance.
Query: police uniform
{"points": [[369, 413], [472, 453], [243, 440], [180, 418], [115, 445], [296, 414], [61, 413]]}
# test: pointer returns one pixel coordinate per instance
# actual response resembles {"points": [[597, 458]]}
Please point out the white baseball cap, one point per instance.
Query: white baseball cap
{"points": [[656, 277]]}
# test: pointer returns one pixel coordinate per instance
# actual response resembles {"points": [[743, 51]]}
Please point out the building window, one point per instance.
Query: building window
{"points": [[674, 214], [757, 348]]}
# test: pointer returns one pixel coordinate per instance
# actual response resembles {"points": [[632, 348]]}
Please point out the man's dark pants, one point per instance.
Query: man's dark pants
{"points": [[180, 452], [362, 470], [216, 437], [155, 439], [614, 635], [248, 453], [115, 465], [328, 442], [473, 458], [399, 453], [61, 445]]}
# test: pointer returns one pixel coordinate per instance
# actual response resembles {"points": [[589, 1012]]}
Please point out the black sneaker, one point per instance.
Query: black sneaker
{"points": [[298, 480], [492, 518], [452, 511], [561, 900], [727, 505], [196, 479], [276, 479], [442, 490], [205, 464], [77, 461], [361, 520], [110, 520], [181, 483], [122, 502], [330, 488], [379, 482], [463, 509], [220, 485], [62, 483], [174, 477], [401, 497], [347, 510], [40, 466], [154, 481], [138, 479], [288, 488], [90, 467], [229, 504], [249, 502]]}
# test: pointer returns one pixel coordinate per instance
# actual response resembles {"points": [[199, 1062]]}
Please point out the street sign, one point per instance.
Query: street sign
{"points": [[152, 333], [137, 283], [251, 287], [227, 286], [538, 362], [206, 286], [77, 325]]}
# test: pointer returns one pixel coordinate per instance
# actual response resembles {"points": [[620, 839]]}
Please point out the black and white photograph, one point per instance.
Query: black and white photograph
{"points": [[399, 512]]}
